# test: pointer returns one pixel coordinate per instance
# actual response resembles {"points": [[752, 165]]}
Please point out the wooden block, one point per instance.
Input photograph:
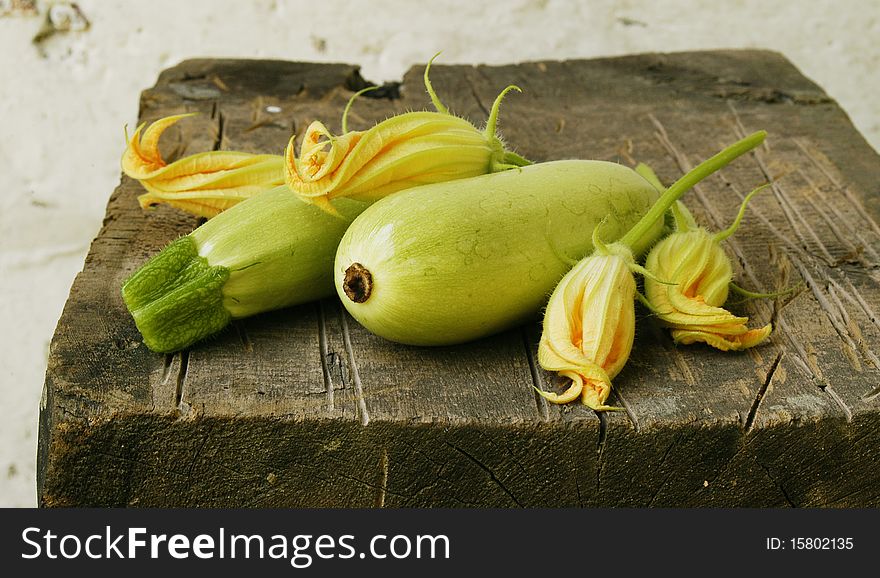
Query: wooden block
{"points": [[303, 407]]}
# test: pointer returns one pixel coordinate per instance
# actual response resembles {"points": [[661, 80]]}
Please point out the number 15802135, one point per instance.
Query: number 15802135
{"points": [[815, 543]]}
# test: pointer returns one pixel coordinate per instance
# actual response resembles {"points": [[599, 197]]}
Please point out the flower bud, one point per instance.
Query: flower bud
{"points": [[589, 326], [406, 150], [691, 277]]}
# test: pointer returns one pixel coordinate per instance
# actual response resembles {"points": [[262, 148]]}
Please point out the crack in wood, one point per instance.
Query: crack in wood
{"points": [[871, 395], [783, 200], [600, 448], [506, 448], [629, 411], [486, 469], [477, 97], [537, 383], [855, 298], [853, 328], [372, 486], [744, 446], [220, 128], [770, 226], [684, 165], [803, 360], [666, 454], [324, 348], [382, 489], [831, 313], [836, 501], [753, 411], [776, 483], [181, 377], [658, 490], [855, 295], [741, 128], [166, 368], [860, 209], [479, 72], [836, 397], [355, 375], [195, 458]]}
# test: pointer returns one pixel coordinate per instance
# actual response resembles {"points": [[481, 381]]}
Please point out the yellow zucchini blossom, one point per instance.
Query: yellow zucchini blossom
{"points": [[406, 150], [589, 326], [203, 184], [589, 322], [698, 276]]}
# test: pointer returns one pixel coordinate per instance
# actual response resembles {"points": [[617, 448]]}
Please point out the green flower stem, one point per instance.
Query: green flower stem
{"points": [[682, 185]]}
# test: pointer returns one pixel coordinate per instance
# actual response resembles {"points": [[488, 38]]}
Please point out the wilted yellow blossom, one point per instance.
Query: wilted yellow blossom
{"points": [[700, 274], [406, 150], [589, 326], [203, 184]]}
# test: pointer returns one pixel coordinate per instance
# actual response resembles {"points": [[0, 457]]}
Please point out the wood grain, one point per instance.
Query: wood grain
{"points": [[303, 407]]}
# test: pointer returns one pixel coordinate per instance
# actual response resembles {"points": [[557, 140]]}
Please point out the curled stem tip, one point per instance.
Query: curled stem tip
{"points": [[496, 106], [753, 295], [721, 235], [350, 103], [599, 246], [438, 106]]}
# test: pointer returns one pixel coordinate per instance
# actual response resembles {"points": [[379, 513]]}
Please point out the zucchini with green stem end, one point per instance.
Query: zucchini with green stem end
{"points": [[268, 252], [278, 251]]}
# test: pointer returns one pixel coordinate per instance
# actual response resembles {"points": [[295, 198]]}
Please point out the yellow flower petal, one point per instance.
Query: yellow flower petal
{"points": [[589, 327], [203, 184], [694, 261], [718, 340], [403, 151]]}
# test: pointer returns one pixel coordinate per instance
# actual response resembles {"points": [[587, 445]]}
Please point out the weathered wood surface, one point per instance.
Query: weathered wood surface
{"points": [[303, 407]]}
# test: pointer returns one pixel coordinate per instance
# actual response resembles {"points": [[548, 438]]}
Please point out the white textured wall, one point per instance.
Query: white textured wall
{"points": [[63, 104]]}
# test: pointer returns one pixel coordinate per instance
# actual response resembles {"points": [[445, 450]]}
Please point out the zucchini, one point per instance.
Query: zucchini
{"points": [[450, 262]]}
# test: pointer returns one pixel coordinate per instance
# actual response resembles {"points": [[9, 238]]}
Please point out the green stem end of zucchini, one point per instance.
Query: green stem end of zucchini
{"points": [[176, 298]]}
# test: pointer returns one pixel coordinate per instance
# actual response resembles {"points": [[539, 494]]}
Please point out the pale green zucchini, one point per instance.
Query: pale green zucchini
{"points": [[451, 262], [268, 252]]}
